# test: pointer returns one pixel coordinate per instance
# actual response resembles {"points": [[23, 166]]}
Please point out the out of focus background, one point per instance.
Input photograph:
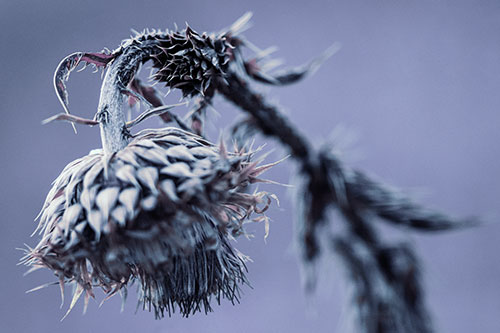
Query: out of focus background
{"points": [[416, 84]]}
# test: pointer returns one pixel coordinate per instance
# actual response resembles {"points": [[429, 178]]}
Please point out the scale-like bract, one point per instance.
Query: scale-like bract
{"points": [[161, 211]]}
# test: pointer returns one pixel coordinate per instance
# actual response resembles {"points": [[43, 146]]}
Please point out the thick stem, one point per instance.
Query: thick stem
{"points": [[268, 119], [110, 114], [114, 133]]}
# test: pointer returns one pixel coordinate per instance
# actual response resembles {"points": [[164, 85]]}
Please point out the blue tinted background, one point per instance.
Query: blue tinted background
{"points": [[417, 81]]}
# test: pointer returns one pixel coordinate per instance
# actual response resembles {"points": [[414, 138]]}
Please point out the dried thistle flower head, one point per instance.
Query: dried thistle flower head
{"points": [[159, 207], [160, 211]]}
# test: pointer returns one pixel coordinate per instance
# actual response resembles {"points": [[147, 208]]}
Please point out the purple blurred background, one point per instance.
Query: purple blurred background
{"points": [[417, 81]]}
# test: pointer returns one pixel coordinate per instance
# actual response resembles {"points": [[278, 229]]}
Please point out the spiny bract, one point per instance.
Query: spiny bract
{"points": [[161, 211]]}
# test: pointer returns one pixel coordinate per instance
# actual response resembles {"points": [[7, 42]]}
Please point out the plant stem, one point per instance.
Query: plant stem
{"points": [[114, 134]]}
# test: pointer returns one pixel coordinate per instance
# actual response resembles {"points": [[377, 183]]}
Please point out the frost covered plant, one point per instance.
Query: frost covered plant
{"points": [[160, 207]]}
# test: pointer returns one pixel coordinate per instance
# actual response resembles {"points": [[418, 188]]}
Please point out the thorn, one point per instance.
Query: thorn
{"points": [[41, 287], [86, 302], [76, 295], [61, 287], [32, 269]]}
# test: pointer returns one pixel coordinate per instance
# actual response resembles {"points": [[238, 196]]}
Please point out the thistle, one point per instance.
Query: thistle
{"points": [[161, 211], [159, 207]]}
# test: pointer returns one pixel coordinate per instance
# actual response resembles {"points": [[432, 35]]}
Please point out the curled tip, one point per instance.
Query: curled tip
{"points": [[67, 65]]}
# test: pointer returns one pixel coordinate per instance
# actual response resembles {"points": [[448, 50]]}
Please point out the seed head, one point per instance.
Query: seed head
{"points": [[161, 212]]}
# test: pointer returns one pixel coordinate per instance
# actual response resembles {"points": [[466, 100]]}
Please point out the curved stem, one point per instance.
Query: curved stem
{"points": [[110, 115], [114, 133]]}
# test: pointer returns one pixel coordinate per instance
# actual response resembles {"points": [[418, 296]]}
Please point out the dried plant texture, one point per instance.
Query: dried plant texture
{"points": [[387, 295], [160, 211], [385, 280], [387, 303]]}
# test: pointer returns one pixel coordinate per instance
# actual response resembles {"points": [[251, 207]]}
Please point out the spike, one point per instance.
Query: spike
{"points": [[61, 288], [86, 302], [41, 287], [32, 269], [123, 295], [76, 295]]}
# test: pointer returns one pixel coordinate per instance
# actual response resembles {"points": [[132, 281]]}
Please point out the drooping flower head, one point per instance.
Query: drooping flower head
{"points": [[160, 211]]}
